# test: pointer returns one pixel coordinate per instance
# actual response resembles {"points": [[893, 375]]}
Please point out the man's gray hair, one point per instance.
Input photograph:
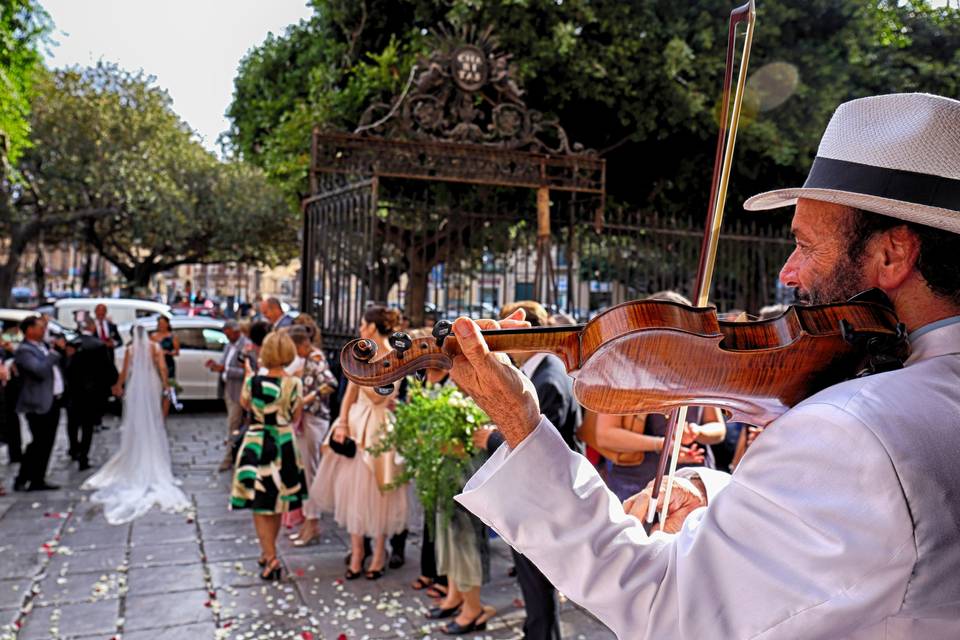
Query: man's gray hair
{"points": [[232, 325], [274, 301]]}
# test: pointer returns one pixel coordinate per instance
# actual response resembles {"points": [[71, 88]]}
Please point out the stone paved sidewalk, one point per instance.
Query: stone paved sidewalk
{"points": [[66, 573]]}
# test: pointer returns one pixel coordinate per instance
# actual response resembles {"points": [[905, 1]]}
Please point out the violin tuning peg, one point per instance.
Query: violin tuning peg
{"points": [[441, 330], [400, 341], [384, 390], [364, 350]]}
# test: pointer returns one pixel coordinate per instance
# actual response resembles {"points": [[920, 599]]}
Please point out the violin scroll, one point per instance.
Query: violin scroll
{"points": [[364, 350]]}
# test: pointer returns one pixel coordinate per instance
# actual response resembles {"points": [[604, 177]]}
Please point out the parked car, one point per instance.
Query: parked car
{"points": [[201, 339], [15, 316], [119, 310]]}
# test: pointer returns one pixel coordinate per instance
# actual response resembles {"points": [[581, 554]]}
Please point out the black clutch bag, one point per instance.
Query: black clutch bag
{"points": [[347, 448]]}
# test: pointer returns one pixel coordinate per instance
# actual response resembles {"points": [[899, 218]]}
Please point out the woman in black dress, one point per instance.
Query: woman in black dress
{"points": [[170, 346]]}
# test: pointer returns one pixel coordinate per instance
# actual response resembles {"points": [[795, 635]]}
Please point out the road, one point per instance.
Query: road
{"points": [[66, 573]]}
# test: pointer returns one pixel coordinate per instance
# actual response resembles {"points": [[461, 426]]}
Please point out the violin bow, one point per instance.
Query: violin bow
{"points": [[720, 181]]}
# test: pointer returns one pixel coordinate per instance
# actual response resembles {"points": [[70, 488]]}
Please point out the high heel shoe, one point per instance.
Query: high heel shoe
{"points": [[374, 574], [272, 571], [300, 542], [261, 562], [352, 575]]}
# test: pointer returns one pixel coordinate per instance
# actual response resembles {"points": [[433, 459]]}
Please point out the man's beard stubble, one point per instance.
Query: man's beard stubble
{"points": [[841, 284]]}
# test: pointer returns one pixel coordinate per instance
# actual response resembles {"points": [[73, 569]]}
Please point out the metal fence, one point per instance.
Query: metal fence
{"points": [[448, 250]]}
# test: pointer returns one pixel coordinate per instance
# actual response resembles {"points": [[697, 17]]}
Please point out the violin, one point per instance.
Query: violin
{"points": [[651, 356]]}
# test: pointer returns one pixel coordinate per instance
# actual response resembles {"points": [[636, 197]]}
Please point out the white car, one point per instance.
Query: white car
{"points": [[201, 339], [69, 311], [16, 316]]}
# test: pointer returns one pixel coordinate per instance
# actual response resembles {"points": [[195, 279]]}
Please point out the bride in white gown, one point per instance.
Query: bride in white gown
{"points": [[139, 475]]}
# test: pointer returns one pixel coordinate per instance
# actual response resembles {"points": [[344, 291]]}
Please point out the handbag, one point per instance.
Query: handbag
{"points": [[347, 448]]}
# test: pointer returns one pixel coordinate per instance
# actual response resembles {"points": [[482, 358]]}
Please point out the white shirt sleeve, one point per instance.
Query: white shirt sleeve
{"points": [[810, 538]]}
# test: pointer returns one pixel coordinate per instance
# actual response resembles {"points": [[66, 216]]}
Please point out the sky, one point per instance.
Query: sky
{"points": [[192, 47]]}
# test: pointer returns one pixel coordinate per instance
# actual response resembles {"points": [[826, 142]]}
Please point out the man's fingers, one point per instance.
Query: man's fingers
{"points": [[487, 324], [472, 344]]}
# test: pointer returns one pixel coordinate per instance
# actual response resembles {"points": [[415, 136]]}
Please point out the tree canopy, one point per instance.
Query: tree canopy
{"points": [[112, 165], [638, 82], [23, 24]]}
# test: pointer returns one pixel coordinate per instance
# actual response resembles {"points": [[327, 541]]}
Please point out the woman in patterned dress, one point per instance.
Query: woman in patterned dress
{"points": [[268, 478]]}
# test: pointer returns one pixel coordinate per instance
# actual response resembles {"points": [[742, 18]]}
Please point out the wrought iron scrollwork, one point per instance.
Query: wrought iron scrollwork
{"points": [[466, 91]]}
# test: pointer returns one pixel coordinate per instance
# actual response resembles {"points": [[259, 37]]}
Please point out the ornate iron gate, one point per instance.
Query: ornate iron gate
{"points": [[457, 198]]}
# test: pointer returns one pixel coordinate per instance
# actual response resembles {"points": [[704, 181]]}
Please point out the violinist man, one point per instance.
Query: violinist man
{"points": [[842, 521]]}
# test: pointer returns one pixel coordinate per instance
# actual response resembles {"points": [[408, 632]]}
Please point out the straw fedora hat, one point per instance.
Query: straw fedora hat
{"points": [[897, 155]]}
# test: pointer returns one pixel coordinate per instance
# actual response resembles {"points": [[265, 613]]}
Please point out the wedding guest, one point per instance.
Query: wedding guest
{"points": [[272, 311], [91, 372], [231, 369], [355, 489], [268, 478], [40, 396], [170, 346], [644, 434], [462, 547], [318, 384], [306, 321], [106, 330], [9, 420]]}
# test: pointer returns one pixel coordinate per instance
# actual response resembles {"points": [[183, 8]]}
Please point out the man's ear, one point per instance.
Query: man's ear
{"points": [[895, 253]]}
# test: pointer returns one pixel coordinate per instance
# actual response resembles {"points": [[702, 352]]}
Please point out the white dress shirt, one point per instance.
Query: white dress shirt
{"points": [[842, 521], [530, 366], [57, 376]]}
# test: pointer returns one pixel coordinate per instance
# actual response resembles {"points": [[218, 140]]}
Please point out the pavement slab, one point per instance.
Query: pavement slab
{"points": [[65, 572]]}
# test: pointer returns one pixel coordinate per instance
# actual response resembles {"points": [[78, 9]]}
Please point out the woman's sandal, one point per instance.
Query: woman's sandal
{"points": [[272, 570], [437, 591], [353, 575], [454, 628], [421, 583], [375, 574], [439, 613]]}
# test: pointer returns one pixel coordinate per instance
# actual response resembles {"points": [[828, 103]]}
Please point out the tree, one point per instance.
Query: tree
{"points": [[637, 81], [114, 165], [23, 25]]}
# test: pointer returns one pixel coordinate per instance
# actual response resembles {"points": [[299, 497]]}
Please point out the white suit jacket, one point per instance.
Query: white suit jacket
{"points": [[842, 521]]}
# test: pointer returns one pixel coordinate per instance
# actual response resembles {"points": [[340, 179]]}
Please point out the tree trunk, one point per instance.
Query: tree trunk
{"points": [[8, 277], [416, 295], [40, 275]]}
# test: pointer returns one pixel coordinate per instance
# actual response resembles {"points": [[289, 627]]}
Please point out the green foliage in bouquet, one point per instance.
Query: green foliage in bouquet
{"points": [[432, 432]]}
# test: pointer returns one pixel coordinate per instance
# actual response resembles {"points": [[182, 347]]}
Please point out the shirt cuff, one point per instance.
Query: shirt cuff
{"points": [[482, 495], [714, 481]]}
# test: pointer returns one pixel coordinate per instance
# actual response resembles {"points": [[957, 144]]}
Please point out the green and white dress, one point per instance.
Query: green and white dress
{"points": [[268, 477]]}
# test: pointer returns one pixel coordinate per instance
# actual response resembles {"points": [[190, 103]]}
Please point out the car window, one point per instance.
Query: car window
{"points": [[191, 338], [216, 340], [145, 313]]}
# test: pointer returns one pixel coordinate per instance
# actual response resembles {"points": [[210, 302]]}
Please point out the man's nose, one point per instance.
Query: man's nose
{"points": [[788, 274]]}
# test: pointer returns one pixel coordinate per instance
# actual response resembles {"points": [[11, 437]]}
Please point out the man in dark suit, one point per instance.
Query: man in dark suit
{"points": [[105, 330], [108, 333], [557, 402], [9, 390], [42, 388], [91, 373], [272, 311]]}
